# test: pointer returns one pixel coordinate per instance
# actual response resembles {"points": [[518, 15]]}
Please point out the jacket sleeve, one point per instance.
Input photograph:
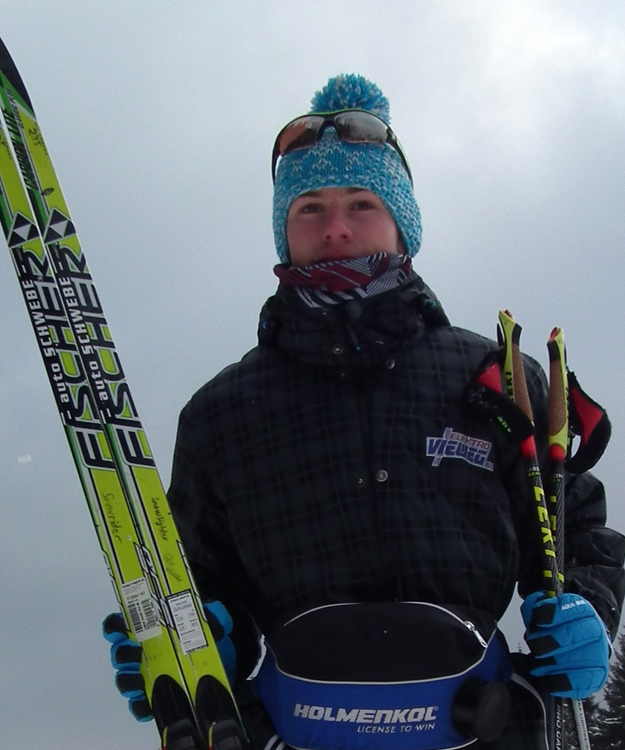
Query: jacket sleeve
{"points": [[593, 554], [202, 523]]}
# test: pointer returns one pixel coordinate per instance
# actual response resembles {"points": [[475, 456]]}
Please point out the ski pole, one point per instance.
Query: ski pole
{"points": [[558, 445], [516, 386], [558, 421]]}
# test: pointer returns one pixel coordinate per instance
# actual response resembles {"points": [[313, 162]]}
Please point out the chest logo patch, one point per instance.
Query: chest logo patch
{"points": [[456, 445]]}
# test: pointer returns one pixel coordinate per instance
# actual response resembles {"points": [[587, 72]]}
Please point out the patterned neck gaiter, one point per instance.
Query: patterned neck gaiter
{"points": [[336, 281]]}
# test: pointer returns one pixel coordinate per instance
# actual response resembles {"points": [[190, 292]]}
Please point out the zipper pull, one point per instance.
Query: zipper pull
{"points": [[476, 633]]}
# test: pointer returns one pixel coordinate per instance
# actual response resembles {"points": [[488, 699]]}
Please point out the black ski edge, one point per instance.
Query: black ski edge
{"points": [[11, 73]]}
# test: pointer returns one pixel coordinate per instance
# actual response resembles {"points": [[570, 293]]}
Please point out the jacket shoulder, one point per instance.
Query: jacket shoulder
{"points": [[254, 368]]}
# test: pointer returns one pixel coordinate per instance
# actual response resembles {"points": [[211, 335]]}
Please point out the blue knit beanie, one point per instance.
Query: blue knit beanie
{"points": [[333, 162]]}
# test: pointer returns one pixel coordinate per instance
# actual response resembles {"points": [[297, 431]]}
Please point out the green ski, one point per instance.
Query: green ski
{"points": [[185, 681]]}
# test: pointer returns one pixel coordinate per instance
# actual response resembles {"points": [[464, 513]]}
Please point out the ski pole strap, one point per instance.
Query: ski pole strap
{"points": [[486, 395], [588, 421]]}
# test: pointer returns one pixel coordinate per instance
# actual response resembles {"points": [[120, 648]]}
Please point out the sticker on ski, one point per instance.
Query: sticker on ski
{"points": [[188, 624], [141, 609]]}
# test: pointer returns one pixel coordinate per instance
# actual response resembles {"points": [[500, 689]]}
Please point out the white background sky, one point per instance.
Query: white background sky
{"points": [[160, 118]]}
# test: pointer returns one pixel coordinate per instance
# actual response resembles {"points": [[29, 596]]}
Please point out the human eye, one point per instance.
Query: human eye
{"points": [[363, 204], [310, 207]]}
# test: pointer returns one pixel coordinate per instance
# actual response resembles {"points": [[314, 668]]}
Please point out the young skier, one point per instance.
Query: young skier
{"points": [[339, 495]]}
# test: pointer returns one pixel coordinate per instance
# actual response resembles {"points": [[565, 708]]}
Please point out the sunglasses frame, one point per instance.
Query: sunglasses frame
{"points": [[329, 119]]}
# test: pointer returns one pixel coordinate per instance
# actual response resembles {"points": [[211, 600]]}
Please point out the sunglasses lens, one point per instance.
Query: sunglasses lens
{"points": [[363, 127], [359, 127], [301, 133]]}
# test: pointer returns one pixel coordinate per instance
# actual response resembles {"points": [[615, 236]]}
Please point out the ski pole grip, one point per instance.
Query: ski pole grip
{"points": [[558, 396], [514, 370]]}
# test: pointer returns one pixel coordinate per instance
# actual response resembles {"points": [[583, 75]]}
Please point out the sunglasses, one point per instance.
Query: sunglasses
{"points": [[351, 125]]}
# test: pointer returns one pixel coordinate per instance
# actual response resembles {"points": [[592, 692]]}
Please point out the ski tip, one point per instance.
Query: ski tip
{"points": [[10, 73]]}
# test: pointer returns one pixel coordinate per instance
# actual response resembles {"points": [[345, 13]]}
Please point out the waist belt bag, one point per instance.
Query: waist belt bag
{"points": [[386, 676]]}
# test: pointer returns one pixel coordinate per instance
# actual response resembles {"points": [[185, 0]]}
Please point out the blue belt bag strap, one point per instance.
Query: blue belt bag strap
{"points": [[386, 676]]}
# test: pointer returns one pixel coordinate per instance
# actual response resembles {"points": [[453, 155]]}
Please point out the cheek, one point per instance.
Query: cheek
{"points": [[294, 228], [298, 244], [294, 235], [391, 238]]}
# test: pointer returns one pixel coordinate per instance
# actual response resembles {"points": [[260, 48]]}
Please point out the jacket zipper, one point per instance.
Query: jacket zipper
{"points": [[476, 633]]}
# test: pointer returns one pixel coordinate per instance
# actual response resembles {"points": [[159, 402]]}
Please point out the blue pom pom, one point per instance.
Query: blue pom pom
{"points": [[351, 92]]}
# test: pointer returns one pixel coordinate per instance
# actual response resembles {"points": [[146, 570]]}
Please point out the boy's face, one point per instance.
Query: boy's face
{"points": [[338, 223]]}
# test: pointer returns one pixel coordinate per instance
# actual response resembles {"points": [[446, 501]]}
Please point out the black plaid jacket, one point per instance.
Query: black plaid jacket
{"points": [[338, 461]]}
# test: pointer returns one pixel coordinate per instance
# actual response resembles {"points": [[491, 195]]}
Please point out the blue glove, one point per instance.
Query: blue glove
{"points": [[569, 642], [126, 655]]}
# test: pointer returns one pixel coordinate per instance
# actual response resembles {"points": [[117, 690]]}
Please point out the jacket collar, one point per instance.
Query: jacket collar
{"points": [[353, 336]]}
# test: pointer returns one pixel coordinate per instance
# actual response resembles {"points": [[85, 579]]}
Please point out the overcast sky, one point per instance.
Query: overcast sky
{"points": [[160, 118]]}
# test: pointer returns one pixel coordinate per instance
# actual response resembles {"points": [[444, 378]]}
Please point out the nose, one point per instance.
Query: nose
{"points": [[336, 228]]}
